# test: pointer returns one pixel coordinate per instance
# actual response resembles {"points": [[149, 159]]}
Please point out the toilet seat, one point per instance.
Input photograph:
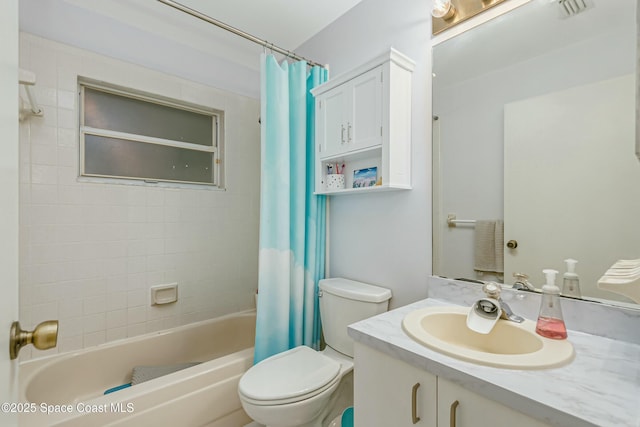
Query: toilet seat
{"points": [[292, 376]]}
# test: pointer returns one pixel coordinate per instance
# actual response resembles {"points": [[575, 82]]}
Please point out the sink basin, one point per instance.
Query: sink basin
{"points": [[509, 345]]}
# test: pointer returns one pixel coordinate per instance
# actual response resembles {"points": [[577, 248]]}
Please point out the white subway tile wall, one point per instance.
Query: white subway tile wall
{"points": [[89, 251]]}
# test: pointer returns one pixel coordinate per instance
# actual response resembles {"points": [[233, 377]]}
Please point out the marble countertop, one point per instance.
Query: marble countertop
{"points": [[600, 387]]}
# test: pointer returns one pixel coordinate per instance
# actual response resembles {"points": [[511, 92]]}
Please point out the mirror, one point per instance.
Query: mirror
{"points": [[534, 125]]}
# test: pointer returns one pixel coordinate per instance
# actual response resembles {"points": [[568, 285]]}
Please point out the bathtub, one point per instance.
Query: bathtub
{"points": [[68, 389]]}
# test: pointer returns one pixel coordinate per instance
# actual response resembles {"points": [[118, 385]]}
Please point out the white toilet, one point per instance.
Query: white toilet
{"points": [[297, 388]]}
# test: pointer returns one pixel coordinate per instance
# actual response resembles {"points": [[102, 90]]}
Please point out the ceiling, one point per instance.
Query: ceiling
{"points": [[535, 28], [285, 23]]}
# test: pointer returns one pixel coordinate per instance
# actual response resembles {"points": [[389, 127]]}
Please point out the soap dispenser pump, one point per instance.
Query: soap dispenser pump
{"points": [[570, 281], [550, 321]]}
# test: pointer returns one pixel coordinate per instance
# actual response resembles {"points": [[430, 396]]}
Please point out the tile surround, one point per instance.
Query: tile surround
{"points": [[89, 251]]}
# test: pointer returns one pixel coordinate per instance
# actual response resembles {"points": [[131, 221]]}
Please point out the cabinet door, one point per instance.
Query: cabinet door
{"points": [[473, 410], [391, 393], [331, 125], [364, 126]]}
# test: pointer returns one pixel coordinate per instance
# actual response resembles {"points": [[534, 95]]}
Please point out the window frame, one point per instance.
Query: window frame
{"points": [[216, 149]]}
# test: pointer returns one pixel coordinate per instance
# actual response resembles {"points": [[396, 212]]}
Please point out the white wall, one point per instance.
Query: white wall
{"points": [[90, 251], [391, 246]]}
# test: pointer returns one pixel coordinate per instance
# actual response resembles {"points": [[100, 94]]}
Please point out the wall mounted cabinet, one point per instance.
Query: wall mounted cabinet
{"points": [[363, 121]]}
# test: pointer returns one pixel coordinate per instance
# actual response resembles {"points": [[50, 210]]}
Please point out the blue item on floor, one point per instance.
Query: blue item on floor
{"points": [[347, 417], [120, 387]]}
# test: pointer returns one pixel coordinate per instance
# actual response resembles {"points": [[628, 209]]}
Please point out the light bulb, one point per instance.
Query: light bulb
{"points": [[443, 9]]}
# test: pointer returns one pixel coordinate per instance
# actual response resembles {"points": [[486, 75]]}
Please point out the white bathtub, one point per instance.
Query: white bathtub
{"points": [[67, 390]]}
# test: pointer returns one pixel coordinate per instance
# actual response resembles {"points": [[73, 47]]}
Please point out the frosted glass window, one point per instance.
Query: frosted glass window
{"points": [[133, 136], [105, 110], [138, 160]]}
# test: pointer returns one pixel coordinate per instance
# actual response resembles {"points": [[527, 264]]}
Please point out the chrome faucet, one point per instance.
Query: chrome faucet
{"points": [[492, 290], [486, 312], [522, 282]]}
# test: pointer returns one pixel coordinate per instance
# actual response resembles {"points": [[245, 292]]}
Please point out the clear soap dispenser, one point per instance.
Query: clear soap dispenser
{"points": [[570, 281], [550, 321]]}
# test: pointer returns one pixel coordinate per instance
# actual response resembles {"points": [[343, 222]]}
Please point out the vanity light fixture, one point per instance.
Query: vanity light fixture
{"points": [[443, 9], [447, 13]]}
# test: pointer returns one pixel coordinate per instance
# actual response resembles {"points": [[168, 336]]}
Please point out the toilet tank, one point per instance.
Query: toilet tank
{"points": [[343, 302]]}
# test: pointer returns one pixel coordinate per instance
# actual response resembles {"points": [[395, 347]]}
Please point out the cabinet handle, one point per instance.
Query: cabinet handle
{"points": [[452, 414], [342, 133], [348, 132], [414, 403]]}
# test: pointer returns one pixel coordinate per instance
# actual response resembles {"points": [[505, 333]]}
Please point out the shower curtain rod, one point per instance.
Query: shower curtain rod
{"points": [[236, 31]]}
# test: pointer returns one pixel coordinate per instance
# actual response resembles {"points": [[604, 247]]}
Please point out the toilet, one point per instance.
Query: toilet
{"points": [[297, 388]]}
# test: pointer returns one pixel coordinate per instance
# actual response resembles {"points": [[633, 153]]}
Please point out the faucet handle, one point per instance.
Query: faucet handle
{"points": [[492, 289], [521, 277]]}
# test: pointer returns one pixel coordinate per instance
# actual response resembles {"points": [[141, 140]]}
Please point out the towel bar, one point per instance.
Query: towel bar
{"points": [[452, 221]]}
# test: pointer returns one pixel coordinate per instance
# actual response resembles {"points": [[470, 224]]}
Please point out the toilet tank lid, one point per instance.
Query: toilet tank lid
{"points": [[354, 290]]}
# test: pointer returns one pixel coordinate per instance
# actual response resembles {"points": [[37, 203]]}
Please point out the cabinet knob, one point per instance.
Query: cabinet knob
{"points": [[512, 244]]}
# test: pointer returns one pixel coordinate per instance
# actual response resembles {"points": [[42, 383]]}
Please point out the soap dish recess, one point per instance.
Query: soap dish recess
{"points": [[164, 294]]}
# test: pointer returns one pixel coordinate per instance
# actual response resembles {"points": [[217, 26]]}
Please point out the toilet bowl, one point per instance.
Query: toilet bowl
{"points": [[297, 388], [293, 388]]}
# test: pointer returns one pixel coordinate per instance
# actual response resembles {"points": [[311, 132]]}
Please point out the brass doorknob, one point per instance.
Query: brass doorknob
{"points": [[512, 244], [43, 337]]}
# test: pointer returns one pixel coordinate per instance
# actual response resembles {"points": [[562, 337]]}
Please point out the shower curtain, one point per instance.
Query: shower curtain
{"points": [[292, 219]]}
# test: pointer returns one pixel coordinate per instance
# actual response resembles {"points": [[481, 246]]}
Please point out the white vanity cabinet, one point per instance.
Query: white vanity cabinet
{"points": [[363, 121], [388, 392], [459, 407], [385, 394]]}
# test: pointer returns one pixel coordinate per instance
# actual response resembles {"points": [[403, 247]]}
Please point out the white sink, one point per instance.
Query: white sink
{"points": [[509, 345]]}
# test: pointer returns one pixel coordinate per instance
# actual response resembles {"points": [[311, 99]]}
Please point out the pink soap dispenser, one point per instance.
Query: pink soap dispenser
{"points": [[550, 322]]}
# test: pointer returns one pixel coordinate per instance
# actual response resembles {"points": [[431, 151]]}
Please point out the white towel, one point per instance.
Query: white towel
{"points": [[488, 246]]}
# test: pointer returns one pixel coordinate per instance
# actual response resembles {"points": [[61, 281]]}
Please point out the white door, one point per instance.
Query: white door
{"points": [[8, 202], [587, 166]]}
